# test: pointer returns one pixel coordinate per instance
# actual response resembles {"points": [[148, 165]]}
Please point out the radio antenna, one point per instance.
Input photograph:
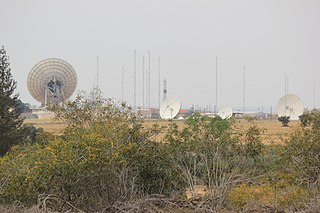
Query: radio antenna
{"points": [[135, 87]]}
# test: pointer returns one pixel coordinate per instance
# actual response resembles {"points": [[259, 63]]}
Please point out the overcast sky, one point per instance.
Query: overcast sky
{"points": [[270, 37]]}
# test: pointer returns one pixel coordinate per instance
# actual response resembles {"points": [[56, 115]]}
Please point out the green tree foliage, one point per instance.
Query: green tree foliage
{"points": [[304, 119], [11, 131], [302, 152], [31, 133], [101, 158], [310, 118], [23, 107], [284, 120], [207, 152], [201, 128], [252, 142]]}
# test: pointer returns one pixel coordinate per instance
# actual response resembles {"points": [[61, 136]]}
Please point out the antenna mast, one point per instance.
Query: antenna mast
{"points": [[244, 89], [287, 85], [159, 82], [97, 72], [134, 90], [285, 93], [147, 88], [314, 95], [122, 84], [143, 82], [164, 89], [216, 106], [149, 104]]}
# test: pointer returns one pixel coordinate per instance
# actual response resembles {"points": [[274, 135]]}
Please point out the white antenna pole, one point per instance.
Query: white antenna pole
{"points": [[122, 84], [143, 82], [216, 106], [149, 80], [97, 72], [147, 88], [244, 89], [159, 83], [287, 85], [164, 89], [285, 94], [314, 95], [134, 90]]}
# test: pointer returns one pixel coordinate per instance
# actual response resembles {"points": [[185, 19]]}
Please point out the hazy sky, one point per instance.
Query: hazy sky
{"points": [[270, 37]]}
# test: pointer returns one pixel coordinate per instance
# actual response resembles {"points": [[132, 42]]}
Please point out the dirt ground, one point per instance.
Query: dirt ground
{"points": [[273, 132]]}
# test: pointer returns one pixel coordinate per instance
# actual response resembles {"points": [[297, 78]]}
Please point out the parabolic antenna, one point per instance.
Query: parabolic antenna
{"points": [[52, 80], [225, 112], [290, 105], [169, 108]]}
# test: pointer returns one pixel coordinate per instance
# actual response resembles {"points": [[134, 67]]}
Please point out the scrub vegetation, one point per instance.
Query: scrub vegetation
{"points": [[107, 161]]}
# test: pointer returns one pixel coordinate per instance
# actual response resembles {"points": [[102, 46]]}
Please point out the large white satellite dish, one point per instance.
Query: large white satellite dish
{"points": [[170, 108], [290, 105], [225, 112], [52, 80]]}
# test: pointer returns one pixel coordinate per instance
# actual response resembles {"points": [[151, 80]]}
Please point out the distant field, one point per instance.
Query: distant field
{"points": [[49, 125], [273, 131]]}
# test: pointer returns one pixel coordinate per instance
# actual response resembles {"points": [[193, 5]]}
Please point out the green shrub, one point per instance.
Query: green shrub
{"points": [[301, 154], [284, 120]]}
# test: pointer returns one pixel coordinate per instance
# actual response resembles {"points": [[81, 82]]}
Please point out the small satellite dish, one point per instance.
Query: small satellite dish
{"points": [[225, 112], [290, 105], [170, 108]]}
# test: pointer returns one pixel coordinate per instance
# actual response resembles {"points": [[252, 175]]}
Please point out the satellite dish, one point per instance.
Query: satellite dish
{"points": [[290, 105], [52, 80], [170, 108], [225, 112]]}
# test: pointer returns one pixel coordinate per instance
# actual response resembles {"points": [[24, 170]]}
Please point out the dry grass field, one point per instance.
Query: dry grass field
{"points": [[273, 132], [49, 125]]}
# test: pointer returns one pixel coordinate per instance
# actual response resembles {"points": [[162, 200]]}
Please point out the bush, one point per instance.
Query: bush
{"points": [[96, 162], [106, 160], [207, 153], [284, 120], [301, 153]]}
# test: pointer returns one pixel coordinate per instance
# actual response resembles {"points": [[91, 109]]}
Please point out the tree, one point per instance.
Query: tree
{"points": [[304, 119], [284, 120], [302, 152], [23, 107], [11, 131]]}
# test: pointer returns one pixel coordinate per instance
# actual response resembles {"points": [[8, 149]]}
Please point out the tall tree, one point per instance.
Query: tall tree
{"points": [[11, 131]]}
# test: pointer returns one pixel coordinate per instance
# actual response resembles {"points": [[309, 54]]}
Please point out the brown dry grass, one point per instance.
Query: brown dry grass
{"points": [[273, 130], [49, 125]]}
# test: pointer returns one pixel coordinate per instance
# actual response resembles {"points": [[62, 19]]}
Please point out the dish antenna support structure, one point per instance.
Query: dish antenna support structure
{"points": [[290, 105], [164, 90], [225, 112], [170, 108], [52, 81]]}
